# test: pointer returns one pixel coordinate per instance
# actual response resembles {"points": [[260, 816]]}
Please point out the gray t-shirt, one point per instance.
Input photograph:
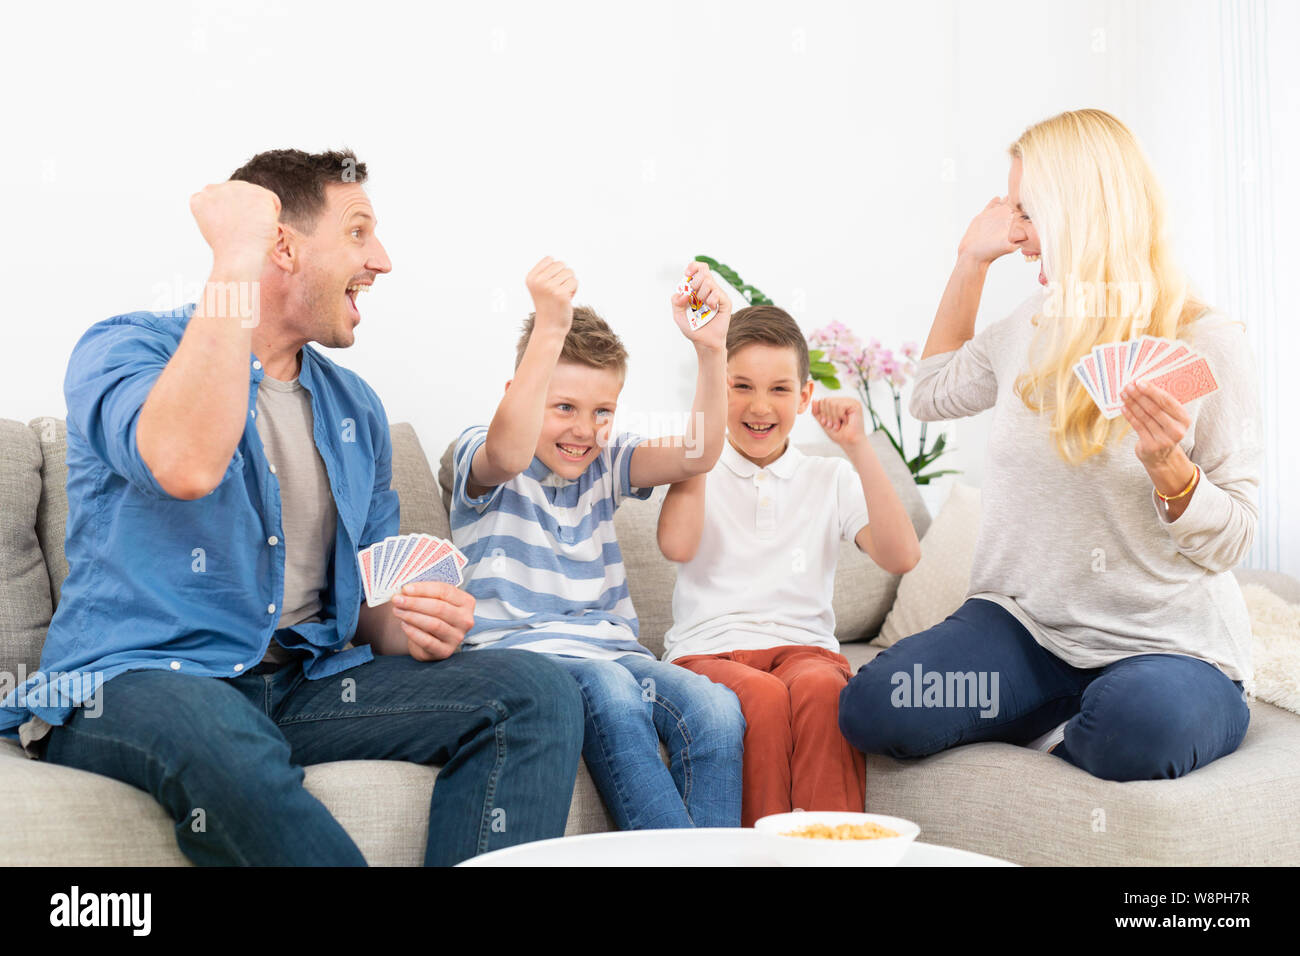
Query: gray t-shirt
{"points": [[1083, 555], [307, 512]]}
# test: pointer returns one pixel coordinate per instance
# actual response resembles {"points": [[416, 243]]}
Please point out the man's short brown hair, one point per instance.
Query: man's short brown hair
{"points": [[299, 179], [768, 325], [590, 342]]}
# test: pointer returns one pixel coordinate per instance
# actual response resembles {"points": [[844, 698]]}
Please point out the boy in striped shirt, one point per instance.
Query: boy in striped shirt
{"points": [[534, 496]]}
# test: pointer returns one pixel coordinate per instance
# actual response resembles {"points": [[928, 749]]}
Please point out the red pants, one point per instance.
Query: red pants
{"points": [[795, 755]]}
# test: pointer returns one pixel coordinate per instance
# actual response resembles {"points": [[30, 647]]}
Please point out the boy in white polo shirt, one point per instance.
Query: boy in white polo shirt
{"points": [[757, 540]]}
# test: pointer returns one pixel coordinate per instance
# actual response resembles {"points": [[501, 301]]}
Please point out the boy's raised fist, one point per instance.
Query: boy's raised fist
{"points": [[840, 419], [552, 285]]}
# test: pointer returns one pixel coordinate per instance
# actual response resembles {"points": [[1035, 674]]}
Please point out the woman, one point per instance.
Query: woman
{"points": [[1102, 613]]}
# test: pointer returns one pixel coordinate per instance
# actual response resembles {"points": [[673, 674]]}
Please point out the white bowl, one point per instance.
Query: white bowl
{"points": [[805, 851]]}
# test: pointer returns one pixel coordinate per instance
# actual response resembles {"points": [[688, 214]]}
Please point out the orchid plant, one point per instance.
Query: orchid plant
{"points": [[863, 365], [835, 350]]}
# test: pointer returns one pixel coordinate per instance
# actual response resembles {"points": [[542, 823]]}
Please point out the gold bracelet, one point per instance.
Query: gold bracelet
{"points": [[1196, 473]]}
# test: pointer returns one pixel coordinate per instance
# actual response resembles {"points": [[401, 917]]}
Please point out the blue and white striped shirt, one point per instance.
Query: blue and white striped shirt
{"points": [[544, 566]]}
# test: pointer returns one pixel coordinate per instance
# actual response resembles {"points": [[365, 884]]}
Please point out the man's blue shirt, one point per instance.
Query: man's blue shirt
{"points": [[195, 586]]}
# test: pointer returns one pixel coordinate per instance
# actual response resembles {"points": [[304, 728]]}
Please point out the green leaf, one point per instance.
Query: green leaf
{"points": [[925, 457], [890, 436], [925, 479], [751, 293], [929, 456]]}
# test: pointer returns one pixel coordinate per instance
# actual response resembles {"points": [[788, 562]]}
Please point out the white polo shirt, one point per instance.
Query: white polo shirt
{"points": [[764, 573]]}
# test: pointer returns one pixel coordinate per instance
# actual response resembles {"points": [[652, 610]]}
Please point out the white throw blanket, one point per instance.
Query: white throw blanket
{"points": [[1275, 647]]}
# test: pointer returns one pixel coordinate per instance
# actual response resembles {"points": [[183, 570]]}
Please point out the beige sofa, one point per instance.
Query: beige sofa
{"points": [[996, 799]]}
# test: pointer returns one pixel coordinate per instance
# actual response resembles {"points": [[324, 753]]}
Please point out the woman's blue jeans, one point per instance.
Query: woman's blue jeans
{"points": [[225, 757], [1151, 716], [632, 703]]}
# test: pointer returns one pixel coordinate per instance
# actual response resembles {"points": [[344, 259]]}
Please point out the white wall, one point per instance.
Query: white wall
{"points": [[832, 152]]}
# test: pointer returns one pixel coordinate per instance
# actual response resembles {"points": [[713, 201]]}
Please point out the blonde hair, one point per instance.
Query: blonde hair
{"points": [[1100, 214], [590, 341]]}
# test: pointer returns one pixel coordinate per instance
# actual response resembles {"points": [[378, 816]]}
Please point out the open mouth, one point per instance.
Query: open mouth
{"points": [[351, 294], [572, 452], [759, 430], [1036, 257]]}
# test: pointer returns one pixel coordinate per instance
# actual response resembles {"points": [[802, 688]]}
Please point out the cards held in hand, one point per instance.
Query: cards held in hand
{"points": [[1173, 366], [388, 565], [698, 314]]}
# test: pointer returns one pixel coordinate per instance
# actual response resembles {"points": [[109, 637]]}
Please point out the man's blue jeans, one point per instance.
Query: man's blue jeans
{"points": [[225, 757], [1146, 717], [631, 704]]}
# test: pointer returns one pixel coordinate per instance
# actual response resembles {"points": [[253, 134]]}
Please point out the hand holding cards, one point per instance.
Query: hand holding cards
{"points": [[403, 559], [1172, 366], [698, 314]]}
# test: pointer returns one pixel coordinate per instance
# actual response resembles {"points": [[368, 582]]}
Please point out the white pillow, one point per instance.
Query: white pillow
{"points": [[937, 586]]}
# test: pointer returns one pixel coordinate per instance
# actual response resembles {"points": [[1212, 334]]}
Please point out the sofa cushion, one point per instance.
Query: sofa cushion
{"points": [[52, 515], [68, 817], [1283, 585], [863, 592], [651, 577], [859, 654], [422, 510], [938, 584], [25, 603], [1034, 808]]}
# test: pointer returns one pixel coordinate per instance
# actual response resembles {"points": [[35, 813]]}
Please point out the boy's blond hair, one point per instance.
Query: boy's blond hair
{"points": [[590, 342]]}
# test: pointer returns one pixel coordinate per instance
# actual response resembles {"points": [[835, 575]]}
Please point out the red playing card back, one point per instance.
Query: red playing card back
{"points": [[1186, 382]]}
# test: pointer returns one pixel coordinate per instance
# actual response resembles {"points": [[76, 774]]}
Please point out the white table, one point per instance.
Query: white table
{"points": [[703, 847]]}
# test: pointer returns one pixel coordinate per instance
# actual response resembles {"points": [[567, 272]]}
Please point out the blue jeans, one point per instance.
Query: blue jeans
{"points": [[225, 757], [630, 705], [1152, 716]]}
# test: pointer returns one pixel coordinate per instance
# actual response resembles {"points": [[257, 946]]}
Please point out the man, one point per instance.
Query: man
{"points": [[222, 475]]}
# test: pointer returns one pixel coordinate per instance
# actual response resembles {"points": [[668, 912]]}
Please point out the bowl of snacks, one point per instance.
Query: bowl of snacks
{"points": [[811, 838]]}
